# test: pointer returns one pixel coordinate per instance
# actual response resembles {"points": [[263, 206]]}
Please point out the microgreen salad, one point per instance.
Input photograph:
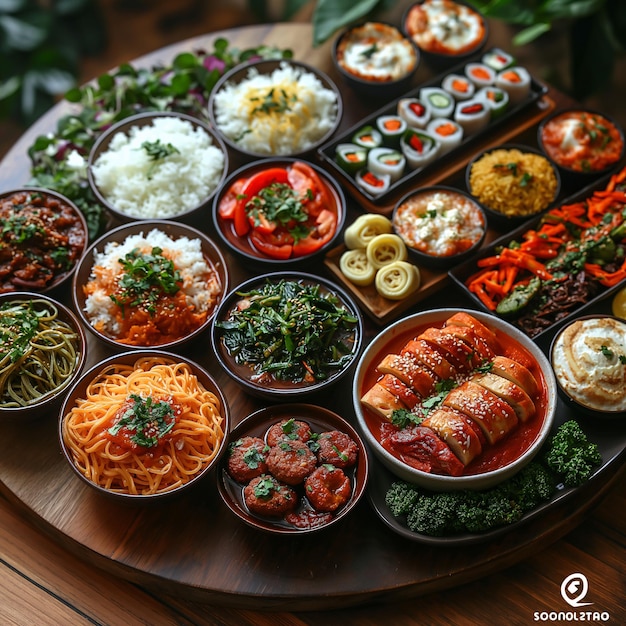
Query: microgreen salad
{"points": [[58, 158], [290, 331]]}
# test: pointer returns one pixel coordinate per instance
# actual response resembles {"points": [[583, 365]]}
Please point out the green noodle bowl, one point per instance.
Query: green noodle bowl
{"points": [[39, 352]]}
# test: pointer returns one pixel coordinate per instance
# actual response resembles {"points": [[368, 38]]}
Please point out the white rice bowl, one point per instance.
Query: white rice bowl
{"points": [[141, 187], [188, 259], [301, 111]]}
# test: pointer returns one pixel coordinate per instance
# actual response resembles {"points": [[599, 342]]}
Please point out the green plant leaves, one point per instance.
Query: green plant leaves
{"points": [[331, 15]]}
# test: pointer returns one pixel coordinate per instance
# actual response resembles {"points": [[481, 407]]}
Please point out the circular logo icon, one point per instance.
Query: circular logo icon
{"points": [[574, 588]]}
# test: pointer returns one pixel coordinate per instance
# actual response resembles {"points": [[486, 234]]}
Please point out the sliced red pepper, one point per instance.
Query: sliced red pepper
{"points": [[226, 208], [271, 246], [418, 108], [325, 228], [416, 143]]}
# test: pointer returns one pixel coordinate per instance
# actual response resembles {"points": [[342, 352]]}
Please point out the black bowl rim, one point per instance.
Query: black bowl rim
{"points": [[519, 219], [263, 64], [50, 399], [267, 261], [373, 85], [443, 57], [318, 413], [444, 261], [286, 393], [133, 356], [568, 171], [67, 276], [583, 408], [127, 123], [148, 225]]}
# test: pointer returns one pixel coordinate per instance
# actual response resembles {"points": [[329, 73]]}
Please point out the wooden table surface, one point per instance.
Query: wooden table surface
{"points": [[45, 582]]}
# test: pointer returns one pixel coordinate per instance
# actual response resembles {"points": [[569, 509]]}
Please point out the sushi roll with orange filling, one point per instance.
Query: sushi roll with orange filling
{"points": [[419, 147], [367, 137], [516, 82], [473, 115], [496, 98], [459, 87], [391, 127], [350, 157], [447, 132], [371, 183], [480, 74], [414, 112], [381, 161]]}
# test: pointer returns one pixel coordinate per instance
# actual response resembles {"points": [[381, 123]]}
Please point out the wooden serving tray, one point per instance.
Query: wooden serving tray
{"points": [[193, 547]]}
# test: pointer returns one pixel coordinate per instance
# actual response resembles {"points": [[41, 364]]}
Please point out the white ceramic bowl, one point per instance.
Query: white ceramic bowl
{"points": [[436, 482]]}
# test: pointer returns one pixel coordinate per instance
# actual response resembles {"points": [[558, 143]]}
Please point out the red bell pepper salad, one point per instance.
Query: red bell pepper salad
{"points": [[284, 212]]}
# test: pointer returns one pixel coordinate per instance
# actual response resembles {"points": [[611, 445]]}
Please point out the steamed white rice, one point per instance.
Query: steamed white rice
{"points": [[141, 187], [281, 113], [201, 284]]}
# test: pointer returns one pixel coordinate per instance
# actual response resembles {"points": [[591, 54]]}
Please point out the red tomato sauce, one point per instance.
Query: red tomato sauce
{"points": [[495, 455], [582, 141]]}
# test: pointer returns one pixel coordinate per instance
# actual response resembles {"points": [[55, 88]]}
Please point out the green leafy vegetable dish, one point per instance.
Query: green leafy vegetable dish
{"points": [[287, 333]]}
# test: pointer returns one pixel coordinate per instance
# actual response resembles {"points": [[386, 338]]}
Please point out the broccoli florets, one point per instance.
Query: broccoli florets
{"points": [[400, 498], [571, 455], [435, 514], [533, 485]]}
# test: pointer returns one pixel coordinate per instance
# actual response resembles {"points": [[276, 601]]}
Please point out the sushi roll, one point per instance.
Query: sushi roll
{"points": [[367, 137], [440, 101], [391, 128], [459, 87], [497, 59], [414, 112], [448, 133], [516, 82], [350, 157], [473, 115], [382, 161], [480, 74], [419, 147], [371, 183], [496, 98]]}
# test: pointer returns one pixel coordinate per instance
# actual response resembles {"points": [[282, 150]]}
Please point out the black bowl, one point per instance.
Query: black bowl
{"points": [[243, 247], [223, 123], [267, 386], [474, 215], [582, 171], [48, 402], [374, 83], [319, 420], [498, 218], [599, 351], [185, 212], [436, 56]]}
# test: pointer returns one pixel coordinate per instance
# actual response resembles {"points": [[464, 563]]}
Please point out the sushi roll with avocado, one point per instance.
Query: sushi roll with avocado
{"points": [[371, 183], [447, 132], [419, 147], [367, 137], [381, 161], [473, 115], [497, 59], [516, 82], [414, 112], [391, 127], [350, 157], [480, 74], [496, 98], [459, 87], [440, 101]]}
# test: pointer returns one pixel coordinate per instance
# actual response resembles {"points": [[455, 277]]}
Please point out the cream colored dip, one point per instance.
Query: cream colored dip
{"points": [[589, 361]]}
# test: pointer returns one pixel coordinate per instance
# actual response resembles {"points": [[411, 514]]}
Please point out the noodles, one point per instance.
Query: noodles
{"points": [[145, 428], [39, 352]]}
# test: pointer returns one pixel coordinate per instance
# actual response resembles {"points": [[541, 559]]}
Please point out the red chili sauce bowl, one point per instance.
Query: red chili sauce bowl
{"points": [[247, 219]]}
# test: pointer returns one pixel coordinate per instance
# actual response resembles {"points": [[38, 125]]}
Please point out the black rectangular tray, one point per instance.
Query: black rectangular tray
{"points": [[327, 152]]}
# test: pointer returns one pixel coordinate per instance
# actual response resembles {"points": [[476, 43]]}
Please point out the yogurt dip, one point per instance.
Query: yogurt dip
{"points": [[589, 361]]}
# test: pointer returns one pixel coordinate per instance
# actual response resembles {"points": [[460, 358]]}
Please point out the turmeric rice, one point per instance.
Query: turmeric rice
{"points": [[513, 182]]}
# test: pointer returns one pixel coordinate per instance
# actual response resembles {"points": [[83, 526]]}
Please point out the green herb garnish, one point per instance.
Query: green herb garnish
{"points": [[146, 278], [157, 151], [149, 421], [368, 53], [290, 331], [275, 101], [18, 325]]}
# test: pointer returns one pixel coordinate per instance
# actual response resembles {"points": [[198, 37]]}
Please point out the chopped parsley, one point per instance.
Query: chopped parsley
{"points": [[275, 101], [146, 278], [18, 325], [147, 420], [157, 151]]}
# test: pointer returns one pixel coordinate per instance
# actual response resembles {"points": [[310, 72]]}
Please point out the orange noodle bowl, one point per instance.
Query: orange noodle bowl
{"points": [[143, 424]]}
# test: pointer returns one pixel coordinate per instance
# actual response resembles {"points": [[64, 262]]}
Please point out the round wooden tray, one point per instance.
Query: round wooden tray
{"points": [[195, 547]]}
